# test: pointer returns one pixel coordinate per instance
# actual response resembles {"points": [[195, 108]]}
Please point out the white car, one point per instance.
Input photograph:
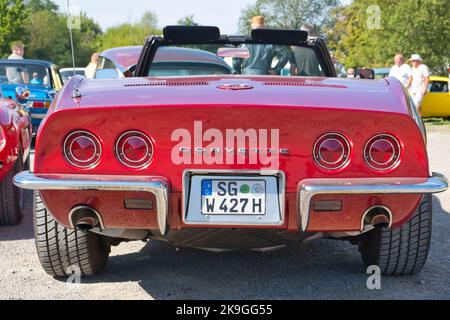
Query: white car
{"points": [[67, 73]]}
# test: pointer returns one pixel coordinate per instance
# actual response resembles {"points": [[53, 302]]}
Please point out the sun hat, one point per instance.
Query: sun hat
{"points": [[415, 57]]}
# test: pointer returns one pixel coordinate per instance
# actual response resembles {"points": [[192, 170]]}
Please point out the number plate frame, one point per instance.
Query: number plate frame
{"points": [[262, 182], [275, 191]]}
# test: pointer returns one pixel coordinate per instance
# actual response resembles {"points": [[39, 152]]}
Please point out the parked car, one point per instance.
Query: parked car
{"points": [[381, 72], [121, 62], [67, 73], [218, 161], [15, 141], [41, 77], [436, 103]]}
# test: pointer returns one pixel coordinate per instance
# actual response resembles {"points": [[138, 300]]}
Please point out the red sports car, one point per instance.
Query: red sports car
{"points": [[248, 160], [15, 141]]}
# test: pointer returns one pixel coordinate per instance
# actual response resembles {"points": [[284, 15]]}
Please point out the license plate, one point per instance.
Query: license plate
{"points": [[233, 197]]}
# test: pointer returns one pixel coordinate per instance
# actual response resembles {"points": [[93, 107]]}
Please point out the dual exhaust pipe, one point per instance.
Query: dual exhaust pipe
{"points": [[378, 217], [84, 218]]}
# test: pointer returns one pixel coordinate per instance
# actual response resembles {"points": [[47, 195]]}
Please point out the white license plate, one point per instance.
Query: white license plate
{"points": [[233, 197]]}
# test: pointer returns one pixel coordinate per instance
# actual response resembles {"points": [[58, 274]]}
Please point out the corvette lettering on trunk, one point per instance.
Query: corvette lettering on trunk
{"points": [[234, 146]]}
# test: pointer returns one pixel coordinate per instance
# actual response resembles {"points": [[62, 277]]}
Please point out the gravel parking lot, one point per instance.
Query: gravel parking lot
{"points": [[322, 269]]}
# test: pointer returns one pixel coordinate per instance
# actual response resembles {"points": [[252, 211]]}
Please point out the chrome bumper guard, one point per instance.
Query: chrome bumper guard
{"points": [[309, 188], [158, 186]]}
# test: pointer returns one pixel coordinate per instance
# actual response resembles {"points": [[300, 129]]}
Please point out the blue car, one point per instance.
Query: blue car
{"points": [[41, 77]]}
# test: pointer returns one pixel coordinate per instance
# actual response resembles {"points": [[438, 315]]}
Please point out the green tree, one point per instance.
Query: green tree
{"points": [[149, 20], [14, 17], [129, 34], [406, 26], [288, 14], [187, 21], [49, 38], [38, 5]]}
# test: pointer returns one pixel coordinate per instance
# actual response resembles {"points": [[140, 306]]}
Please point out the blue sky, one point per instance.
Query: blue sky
{"points": [[223, 13]]}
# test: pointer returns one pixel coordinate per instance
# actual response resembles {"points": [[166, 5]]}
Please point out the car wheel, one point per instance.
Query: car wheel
{"points": [[62, 251], [11, 197], [404, 250]]}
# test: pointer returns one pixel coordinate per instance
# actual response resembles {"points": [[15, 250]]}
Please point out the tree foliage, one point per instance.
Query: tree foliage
{"points": [[288, 14], [14, 16], [39, 5], [128, 34], [406, 26], [187, 21], [49, 38]]}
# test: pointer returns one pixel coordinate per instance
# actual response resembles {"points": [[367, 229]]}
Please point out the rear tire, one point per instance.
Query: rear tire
{"points": [[404, 250], [63, 251], [11, 197]]}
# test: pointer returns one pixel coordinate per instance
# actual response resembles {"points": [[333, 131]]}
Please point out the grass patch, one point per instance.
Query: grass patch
{"points": [[437, 121]]}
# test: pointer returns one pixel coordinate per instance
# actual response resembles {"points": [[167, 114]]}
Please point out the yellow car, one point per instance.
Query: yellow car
{"points": [[436, 102]]}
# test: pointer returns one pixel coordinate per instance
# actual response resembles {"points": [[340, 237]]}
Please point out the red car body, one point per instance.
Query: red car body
{"points": [[339, 103], [343, 202], [15, 145], [14, 135]]}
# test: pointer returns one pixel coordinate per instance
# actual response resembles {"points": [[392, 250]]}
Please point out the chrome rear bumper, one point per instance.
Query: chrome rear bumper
{"points": [[158, 186], [309, 188]]}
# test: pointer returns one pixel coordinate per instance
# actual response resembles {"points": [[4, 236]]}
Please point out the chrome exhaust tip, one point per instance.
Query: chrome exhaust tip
{"points": [[380, 221], [84, 218], [377, 217]]}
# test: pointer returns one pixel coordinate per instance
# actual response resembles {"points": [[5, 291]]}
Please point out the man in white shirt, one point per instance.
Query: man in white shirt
{"points": [[17, 75], [400, 69], [92, 67], [418, 80]]}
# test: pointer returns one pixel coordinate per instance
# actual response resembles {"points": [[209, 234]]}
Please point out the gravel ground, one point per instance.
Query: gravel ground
{"points": [[320, 269]]}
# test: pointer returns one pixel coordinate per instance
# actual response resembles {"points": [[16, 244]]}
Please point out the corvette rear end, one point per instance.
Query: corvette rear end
{"points": [[232, 162]]}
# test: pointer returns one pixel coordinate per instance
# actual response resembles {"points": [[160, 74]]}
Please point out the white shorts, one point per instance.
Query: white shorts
{"points": [[417, 98]]}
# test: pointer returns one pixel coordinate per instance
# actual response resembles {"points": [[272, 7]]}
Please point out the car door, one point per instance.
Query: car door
{"points": [[436, 102]]}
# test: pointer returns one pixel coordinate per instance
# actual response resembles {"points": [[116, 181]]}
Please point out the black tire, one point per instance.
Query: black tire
{"points": [[404, 250], [11, 197], [61, 250]]}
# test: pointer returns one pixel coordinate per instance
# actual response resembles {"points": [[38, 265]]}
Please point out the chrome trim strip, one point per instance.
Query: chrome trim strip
{"points": [[38, 115], [309, 188], [187, 174], [158, 186]]}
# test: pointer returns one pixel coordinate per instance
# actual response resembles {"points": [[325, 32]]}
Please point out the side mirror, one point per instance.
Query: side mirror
{"points": [[22, 93], [365, 73], [106, 74]]}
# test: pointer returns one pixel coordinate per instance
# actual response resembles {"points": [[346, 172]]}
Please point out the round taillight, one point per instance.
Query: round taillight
{"points": [[134, 149], [382, 152], [82, 149], [332, 151]]}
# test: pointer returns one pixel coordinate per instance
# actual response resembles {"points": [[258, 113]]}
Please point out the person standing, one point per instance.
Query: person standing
{"points": [[17, 75], [304, 60], [400, 69], [91, 68], [418, 80], [262, 56], [340, 69]]}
